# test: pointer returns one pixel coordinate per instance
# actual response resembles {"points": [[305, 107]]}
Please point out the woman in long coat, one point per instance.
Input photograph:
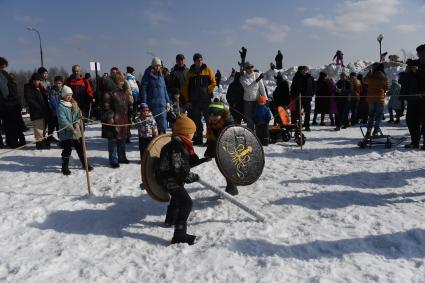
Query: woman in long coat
{"points": [[322, 102], [115, 107]]}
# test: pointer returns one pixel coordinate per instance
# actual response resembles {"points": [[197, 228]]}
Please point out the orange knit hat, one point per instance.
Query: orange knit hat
{"points": [[262, 100], [184, 125]]}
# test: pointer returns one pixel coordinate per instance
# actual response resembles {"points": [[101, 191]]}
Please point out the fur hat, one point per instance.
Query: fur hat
{"points": [[41, 70], [262, 100], [156, 61], [184, 125], [130, 70], [36, 77], [66, 90], [420, 48]]}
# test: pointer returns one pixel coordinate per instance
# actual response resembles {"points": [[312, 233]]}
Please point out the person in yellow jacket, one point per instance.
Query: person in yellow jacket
{"points": [[378, 84], [197, 93]]}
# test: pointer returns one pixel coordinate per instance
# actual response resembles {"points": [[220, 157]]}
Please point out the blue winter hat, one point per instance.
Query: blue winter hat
{"points": [[143, 106]]}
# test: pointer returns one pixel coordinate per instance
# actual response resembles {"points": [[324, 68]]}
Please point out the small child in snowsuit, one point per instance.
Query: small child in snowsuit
{"points": [[262, 116], [218, 118], [54, 95], [147, 129], [69, 114], [176, 159]]}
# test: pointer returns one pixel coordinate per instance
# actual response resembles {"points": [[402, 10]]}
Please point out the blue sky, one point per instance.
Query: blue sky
{"points": [[121, 33]]}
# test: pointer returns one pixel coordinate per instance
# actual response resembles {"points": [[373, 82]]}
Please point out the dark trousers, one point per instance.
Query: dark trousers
{"points": [[13, 127], [415, 120], [180, 206], [52, 125], [143, 144], [196, 112], [262, 132], [341, 114], [353, 108], [1, 131], [306, 105], [67, 148]]}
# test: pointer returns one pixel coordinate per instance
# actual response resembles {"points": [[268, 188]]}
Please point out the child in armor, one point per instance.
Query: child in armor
{"points": [[218, 118], [176, 159]]}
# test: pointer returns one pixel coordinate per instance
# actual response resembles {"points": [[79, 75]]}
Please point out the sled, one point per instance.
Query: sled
{"points": [[386, 140], [284, 130]]}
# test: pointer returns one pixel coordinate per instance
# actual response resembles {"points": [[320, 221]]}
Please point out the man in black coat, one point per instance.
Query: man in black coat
{"points": [[38, 104], [279, 60], [234, 97], [412, 86], [343, 92], [10, 108], [303, 83]]}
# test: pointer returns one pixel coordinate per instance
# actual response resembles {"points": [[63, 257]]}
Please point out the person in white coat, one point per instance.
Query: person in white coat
{"points": [[253, 87]]}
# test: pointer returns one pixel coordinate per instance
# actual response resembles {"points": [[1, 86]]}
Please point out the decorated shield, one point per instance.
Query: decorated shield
{"points": [[149, 163], [239, 155]]}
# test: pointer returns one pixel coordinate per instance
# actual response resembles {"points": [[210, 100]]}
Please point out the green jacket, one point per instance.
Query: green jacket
{"points": [[67, 117]]}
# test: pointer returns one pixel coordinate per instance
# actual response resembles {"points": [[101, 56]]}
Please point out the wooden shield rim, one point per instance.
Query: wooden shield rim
{"points": [[220, 166], [146, 183]]}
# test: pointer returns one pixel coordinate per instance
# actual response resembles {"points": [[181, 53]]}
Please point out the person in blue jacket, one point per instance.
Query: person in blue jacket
{"points": [[262, 117], [154, 93]]}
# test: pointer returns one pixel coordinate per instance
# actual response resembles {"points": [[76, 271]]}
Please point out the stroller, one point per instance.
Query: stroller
{"points": [[284, 130], [386, 140]]}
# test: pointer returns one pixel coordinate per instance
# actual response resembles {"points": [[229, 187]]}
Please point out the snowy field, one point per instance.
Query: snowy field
{"points": [[335, 213]]}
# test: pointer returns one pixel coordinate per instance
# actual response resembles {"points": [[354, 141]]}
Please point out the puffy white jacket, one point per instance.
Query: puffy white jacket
{"points": [[252, 89]]}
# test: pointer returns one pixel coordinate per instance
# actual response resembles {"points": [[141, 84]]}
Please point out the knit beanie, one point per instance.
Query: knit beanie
{"points": [[66, 90], [156, 61], [262, 100], [184, 125]]}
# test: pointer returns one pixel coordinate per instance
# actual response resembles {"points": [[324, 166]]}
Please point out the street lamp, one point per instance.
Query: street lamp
{"points": [[380, 38], [39, 38]]}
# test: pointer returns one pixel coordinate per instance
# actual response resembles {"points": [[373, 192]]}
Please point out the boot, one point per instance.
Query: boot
{"points": [[65, 168], [170, 218], [376, 132], [180, 235], [42, 145], [231, 189], [367, 135]]}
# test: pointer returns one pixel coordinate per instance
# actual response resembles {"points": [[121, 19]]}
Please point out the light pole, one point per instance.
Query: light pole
{"points": [[380, 38], [39, 38]]}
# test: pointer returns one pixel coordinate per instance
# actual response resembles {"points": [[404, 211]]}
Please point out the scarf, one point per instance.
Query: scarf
{"points": [[187, 143]]}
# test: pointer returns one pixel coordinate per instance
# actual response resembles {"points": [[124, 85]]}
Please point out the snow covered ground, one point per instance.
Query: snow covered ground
{"points": [[335, 213]]}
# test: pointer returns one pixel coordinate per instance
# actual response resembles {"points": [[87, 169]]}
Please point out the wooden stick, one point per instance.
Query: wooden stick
{"points": [[233, 200], [86, 164], [301, 121], [178, 104]]}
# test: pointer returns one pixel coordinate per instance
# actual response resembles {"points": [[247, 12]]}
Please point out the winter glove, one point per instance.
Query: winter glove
{"points": [[260, 77], [191, 178], [205, 159]]}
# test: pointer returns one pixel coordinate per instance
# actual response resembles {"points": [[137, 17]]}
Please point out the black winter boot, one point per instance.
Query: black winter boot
{"points": [[65, 168], [180, 235], [170, 218], [231, 189]]}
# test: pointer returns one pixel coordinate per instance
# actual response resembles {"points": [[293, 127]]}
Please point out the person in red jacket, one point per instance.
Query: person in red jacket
{"points": [[82, 91]]}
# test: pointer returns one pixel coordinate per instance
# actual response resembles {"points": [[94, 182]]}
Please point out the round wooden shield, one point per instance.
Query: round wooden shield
{"points": [[239, 155], [149, 162]]}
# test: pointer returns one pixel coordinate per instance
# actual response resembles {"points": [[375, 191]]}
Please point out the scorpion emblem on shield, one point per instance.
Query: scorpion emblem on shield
{"points": [[240, 157]]}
